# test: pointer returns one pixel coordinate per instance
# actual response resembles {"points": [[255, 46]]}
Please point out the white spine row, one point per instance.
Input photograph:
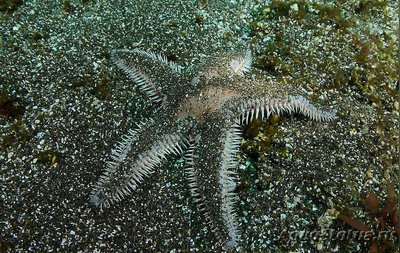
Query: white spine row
{"points": [[157, 57], [264, 107], [227, 182], [160, 58]]}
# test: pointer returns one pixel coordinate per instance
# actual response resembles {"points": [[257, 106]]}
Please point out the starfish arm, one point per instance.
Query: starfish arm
{"points": [[153, 73], [223, 67], [215, 161], [136, 157], [196, 192]]}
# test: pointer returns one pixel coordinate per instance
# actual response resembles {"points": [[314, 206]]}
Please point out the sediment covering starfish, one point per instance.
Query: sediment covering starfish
{"points": [[198, 113]]}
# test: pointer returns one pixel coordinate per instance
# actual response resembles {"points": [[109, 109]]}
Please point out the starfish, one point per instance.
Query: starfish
{"points": [[198, 113]]}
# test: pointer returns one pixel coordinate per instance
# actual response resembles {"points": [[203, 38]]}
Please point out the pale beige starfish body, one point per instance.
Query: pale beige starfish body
{"points": [[199, 113]]}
